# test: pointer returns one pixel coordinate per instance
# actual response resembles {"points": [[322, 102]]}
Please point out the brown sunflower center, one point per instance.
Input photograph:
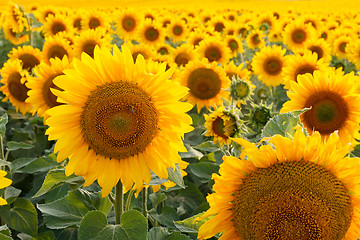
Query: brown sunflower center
{"points": [[204, 83], [16, 88], [29, 61], [152, 34], [213, 53], [342, 47], [128, 23], [119, 120], [49, 97], [135, 54], [196, 41], [88, 47], [182, 59], [57, 27], [307, 68], [324, 35], [177, 30], [273, 66], [57, 51], [163, 51], [318, 50], [77, 23], [294, 200], [255, 39], [328, 113], [218, 127], [219, 27], [94, 22], [298, 36], [233, 45]]}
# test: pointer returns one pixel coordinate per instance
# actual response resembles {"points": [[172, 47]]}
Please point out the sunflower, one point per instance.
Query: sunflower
{"points": [[88, 39], [14, 89], [234, 44], [196, 36], [302, 188], [321, 48], [333, 100], [56, 46], [151, 33], [41, 96], [268, 64], [339, 46], [297, 33], [163, 49], [221, 125], [56, 24], [353, 50], [297, 65], [14, 17], [207, 83], [217, 24], [183, 54], [13, 36], [124, 121], [95, 19], [29, 56], [255, 39], [178, 30], [127, 24], [4, 182], [76, 18], [214, 50]]}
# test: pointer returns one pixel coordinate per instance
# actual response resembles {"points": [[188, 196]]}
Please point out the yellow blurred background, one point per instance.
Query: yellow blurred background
{"points": [[189, 4]]}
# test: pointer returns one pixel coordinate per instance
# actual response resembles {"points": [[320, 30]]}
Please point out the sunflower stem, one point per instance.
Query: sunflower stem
{"points": [[119, 200], [144, 202], [128, 200]]}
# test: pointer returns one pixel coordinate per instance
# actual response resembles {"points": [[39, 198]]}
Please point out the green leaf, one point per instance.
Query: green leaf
{"points": [[155, 180], [42, 164], [70, 210], [48, 235], [12, 146], [175, 176], [5, 233], [56, 178], [11, 194], [158, 233], [204, 169], [188, 225], [177, 236], [134, 224], [22, 217], [190, 153], [3, 122], [94, 226], [4, 163], [283, 124], [207, 146], [167, 216], [19, 163], [157, 198]]}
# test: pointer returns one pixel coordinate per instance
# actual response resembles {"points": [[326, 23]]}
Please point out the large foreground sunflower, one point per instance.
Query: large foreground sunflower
{"points": [[303, 189], [333, 100], [118, 122]]}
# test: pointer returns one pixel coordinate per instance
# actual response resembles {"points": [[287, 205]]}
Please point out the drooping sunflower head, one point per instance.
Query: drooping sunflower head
{"points": [[268, 64], [214, 50], [302, 188], [221, 125], [14, 89], [207, 84], [333, 102], [321, 48], [88, 39], [42, 87], [297, 65], [124, 121], [56, 47], [13, 36], [13, 16], [28, 55]]}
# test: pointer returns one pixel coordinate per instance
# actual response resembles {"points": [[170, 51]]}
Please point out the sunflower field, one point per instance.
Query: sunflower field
{"points": [[235, 120]]}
